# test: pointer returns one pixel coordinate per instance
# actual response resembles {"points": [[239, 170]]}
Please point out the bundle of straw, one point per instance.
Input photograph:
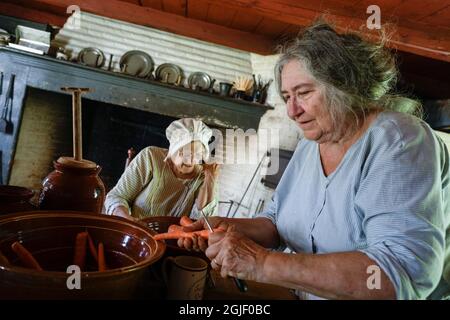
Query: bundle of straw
{"points": [[243, 83]]}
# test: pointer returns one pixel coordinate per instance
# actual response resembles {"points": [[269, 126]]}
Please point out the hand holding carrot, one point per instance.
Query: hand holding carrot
{"points": [[199, 243]]}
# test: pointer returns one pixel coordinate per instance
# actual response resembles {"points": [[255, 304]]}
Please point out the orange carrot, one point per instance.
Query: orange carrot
{"points": [[182, 234], [25, 256], [173, 235], [174, 228], [101, 257], [79, 257], [185, 221], [92, 248], [4, 260]]}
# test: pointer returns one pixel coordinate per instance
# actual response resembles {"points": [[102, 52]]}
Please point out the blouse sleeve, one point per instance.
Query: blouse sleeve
{"points": [[137, 175], [402, 201]]}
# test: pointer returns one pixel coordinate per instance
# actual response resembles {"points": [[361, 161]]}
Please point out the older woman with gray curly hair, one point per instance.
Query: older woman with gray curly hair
{"points": [[364, 202]]}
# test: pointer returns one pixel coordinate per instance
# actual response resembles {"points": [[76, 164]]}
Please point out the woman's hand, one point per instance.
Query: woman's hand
{"points": [[236, 255], [123, 212], [199, 243], [211, 171]]}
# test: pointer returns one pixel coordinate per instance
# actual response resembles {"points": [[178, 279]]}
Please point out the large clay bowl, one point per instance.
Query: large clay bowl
{"points": [[50, 236]]}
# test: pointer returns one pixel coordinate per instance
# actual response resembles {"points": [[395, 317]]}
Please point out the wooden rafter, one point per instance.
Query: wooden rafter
{"points": [[415, 37], [161, 20]]}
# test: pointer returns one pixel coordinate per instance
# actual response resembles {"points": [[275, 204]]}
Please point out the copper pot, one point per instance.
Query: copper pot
{"points": [[129, 250], [15, 199], [73, 185]]}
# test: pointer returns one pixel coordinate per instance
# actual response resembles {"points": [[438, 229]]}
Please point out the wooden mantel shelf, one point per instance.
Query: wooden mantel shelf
{"points": [[50, 74], [148, 95]]}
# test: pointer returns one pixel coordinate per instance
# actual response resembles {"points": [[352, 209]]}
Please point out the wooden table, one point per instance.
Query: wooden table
{"points": [[153, 288], [225, 289]]}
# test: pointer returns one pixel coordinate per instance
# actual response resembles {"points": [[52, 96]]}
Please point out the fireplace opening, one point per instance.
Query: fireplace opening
{"points": [[108, 132]]}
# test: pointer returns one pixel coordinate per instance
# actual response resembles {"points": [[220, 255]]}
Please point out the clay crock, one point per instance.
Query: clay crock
{"points": [[73, 185]]}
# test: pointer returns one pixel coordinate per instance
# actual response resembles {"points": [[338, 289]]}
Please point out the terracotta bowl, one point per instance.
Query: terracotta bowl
{"points": [[50, 235]]}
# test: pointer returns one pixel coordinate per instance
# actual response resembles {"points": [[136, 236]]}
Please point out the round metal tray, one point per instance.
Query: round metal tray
{"points": [[169, 73], [199, 80], [91, 57], [136, 63]]}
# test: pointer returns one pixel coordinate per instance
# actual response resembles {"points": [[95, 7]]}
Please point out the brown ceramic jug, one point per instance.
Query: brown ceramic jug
{"points": [[73, 185], [15, 199]]}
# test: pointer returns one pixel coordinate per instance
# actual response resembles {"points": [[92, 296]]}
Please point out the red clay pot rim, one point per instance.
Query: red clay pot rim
{"points": [[160, 246], [15, 193]]}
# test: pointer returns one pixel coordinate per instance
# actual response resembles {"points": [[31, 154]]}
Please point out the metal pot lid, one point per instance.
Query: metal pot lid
{"points": [[136, 63], [91, 57], [199, 80], [169, 73]]}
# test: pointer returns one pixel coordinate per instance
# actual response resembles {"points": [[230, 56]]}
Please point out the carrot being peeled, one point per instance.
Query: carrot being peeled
{"points": [[25, 256], [182, 234], [79, 257], [172, 235], [174, 228], [185, 221], [101, 257]]}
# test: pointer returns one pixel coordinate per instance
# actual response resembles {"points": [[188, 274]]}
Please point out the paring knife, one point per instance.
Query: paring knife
{"points": [[240, 284]]}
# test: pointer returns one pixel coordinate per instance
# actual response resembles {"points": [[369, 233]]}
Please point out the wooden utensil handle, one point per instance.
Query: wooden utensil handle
{"points": [[76, 120], [77, 128]]}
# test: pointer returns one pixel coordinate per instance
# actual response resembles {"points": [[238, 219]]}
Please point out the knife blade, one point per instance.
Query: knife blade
{"points": [[240, 284]]}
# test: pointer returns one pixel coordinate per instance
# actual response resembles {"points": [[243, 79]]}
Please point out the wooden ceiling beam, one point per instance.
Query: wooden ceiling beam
{"points": [[165, 21], [417, 38], [14, 10]]}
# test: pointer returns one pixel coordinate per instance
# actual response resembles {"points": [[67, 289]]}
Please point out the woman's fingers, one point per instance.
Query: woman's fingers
{"points": [[202, 244], [187, 243], [195, 239], [197, 225], [214, 244], [215, 237]]}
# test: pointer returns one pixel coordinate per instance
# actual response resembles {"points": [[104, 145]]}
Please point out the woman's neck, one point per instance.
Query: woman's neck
{"points": [[332, 152], [347, 140]]}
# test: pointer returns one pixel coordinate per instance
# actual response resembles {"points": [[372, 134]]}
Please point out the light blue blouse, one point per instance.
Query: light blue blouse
{"points": [[389, 198]]}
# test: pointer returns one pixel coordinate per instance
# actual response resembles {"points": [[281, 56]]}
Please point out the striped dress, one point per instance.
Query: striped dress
{"points": [[148, 187]]}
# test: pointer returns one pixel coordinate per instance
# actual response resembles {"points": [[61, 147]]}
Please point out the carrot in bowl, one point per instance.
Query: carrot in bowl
{"points": [[25, 256], [4, 260], [101, 257], [79, 257], [92, 247]]}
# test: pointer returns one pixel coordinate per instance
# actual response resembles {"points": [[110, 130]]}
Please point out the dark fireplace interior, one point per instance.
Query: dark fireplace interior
{"points": [[109, 131]]}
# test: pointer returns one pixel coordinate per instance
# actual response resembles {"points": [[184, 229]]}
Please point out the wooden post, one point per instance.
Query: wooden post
{"points": [[77, 121]]}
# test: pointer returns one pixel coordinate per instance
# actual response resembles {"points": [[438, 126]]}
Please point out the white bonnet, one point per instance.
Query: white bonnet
{"points": [[183, 131]]}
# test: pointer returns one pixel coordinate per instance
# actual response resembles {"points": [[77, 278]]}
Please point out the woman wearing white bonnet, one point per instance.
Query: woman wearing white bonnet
{"points": [[168, 182]]}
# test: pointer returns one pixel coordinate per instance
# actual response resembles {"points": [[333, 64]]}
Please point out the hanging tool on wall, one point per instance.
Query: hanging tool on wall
{"points": [[5, 120], [249, 184]]}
